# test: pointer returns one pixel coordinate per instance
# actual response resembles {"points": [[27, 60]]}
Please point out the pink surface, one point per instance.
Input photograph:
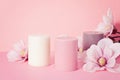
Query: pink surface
{"points": [[66, 49], [22, 71], [19, 18]]}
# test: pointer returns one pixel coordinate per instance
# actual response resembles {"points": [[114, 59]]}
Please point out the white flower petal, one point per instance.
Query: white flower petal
{"points": [[93, 53], [115, 69], [107, 53], [19, 45], [107, 20], [110, 15], [102, 68], [116, 49], [101, 27], [16, 47], [108, 29], [13, 56], [111, 62], [90, 67], [105, 42]]}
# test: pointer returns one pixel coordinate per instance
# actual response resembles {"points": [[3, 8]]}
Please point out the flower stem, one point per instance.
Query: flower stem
{"points": [[118, 32], [115, 37]]}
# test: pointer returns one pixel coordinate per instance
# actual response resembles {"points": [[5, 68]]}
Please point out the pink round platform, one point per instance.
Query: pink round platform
{"points": [[22, 71], [66, 53]]}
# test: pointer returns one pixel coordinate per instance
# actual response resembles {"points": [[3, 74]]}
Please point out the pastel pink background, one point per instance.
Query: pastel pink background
{"points": [[20, 18]]}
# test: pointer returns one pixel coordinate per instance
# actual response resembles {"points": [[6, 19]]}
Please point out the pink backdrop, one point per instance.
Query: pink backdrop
{"points": [[20, 18]]}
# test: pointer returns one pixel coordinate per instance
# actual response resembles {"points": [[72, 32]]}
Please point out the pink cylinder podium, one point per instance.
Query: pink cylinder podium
{"points": [[91, 37], [66, 53]]}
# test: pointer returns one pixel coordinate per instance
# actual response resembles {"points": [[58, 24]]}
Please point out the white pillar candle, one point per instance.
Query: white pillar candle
{"points": [[39, 50]]}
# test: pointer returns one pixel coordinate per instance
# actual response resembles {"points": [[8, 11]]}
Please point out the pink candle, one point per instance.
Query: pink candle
{"points": [[66, 53], [91, 37]]}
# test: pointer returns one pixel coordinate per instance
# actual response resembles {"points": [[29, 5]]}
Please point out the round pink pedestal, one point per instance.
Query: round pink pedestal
{"points": [[91, 37], [66, 53]]}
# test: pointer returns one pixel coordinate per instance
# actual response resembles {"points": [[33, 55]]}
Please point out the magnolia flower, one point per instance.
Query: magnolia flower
{"points": [[103, 56], [106, 26], [19, 52]]}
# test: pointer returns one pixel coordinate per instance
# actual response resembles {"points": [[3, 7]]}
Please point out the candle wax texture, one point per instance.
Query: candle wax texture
{"points": [[66, 53], [38, 50], [91, 37]]}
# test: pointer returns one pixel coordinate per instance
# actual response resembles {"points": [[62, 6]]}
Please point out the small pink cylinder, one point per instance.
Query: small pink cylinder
{"points": [[66, 53], [91, 37]]}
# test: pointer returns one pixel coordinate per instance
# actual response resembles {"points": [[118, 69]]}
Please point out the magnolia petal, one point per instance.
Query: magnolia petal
{"points": [[22, 43], [102, 68], [101, 27], [107, 53], [105, 29], [115, 69], [16, 47], [110, 15], [19, 45], [93, 53], [107, 20], [90, 67], [13, 56], [83, 57], [95, 50], [116, 49], [109, 30], [106, 26], [111, 62], [105, 42]]}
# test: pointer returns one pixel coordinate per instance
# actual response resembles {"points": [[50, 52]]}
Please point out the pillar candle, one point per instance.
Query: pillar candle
{"points": [[91, 37], [38, 50], [66, 53]]}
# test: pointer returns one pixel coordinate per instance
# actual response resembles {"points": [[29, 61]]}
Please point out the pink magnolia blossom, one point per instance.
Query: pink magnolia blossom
{"points": [[106, 26], [18, 53], [103, 56]]}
